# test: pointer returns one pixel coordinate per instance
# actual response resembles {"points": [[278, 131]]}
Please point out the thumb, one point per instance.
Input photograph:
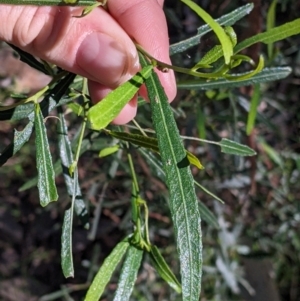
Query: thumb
{"points": [[94, 46]]}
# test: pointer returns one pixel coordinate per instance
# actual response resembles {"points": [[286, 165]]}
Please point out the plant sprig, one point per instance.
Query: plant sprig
{"points": [[174, 168]]}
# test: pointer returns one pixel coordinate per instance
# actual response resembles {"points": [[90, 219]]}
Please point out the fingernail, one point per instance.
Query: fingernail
{"points": [[102, 59]]}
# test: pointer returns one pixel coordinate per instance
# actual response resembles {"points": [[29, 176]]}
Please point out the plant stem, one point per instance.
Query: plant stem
{"points": [[165, 67], [49, 2]]}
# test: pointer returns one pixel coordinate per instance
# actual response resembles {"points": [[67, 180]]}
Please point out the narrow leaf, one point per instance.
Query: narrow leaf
{"points": [[24, 56], [271, 23], [266, 75], [210, 57], [201, 122], [20, 138], [88, 9], [183, 200], [101, 114], [109, 151], [140, 140], [128, 275], [150, 143], [218, 30], [235, 148], [228, 19], [66, 244], [18, 113], [253, 109], [248, 75], [271, 36], [104, 274], [46, 175], [194, 160], [163, 269], [154, 163], [66, 238], [271, 152], [217, 51], [66, 156], [209, 193], [208, 216], [76, 108]]}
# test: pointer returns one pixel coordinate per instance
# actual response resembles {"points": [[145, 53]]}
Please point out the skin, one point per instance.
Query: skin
{"points": [[98, 46]]}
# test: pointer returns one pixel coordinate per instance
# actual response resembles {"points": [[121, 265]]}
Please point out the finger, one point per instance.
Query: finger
{"points": [[94, 46], [161, 2], [145, 22]]}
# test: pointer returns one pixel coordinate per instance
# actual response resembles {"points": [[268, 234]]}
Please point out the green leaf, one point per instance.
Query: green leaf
{"points": [[109, 151], [46, 175], [209, 193], [20, 138], [140, 140], [66, 238], [18, 113], [228, 19], [163, 269], [231, 34], [218, 30], [105, 111], [150, 143], [271, 152], [104, 274], [208, 216], [210, 57], [271, 24], [66, 244], [154, 163], [266, 75], [194, 160], [87, 9], [66, 156], [216, 52], [24, 56], [128, 275], [201, 122], [235, 148], [249, 74], [271, 36], [76, 108], [183, 200], [253, 109], [237, 59]]}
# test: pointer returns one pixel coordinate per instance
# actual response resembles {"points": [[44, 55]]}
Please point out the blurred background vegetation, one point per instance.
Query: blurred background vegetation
{"points": [[255, 253]]}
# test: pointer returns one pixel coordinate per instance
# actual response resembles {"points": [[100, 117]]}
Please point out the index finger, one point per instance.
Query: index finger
{"points": [[145, 22]]}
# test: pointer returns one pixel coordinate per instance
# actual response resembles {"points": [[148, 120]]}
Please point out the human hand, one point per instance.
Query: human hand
{"points": [[97, 46]]}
